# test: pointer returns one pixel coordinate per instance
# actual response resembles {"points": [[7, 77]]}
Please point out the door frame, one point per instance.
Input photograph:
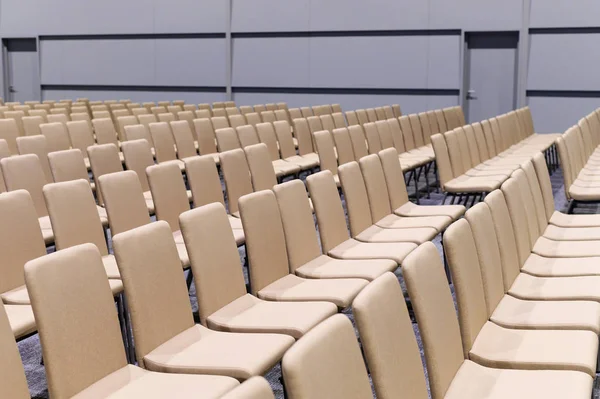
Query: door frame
{"points": [[6, 67], [465, 66]]}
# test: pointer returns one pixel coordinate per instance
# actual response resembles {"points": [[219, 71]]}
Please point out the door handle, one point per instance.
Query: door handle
{"points": [[471, 95]]}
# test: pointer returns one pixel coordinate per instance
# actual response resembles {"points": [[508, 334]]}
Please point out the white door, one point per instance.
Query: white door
{"points": [[490, 74], [22, 70]]}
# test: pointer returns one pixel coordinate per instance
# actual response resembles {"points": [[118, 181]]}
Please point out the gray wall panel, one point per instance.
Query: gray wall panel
{"points": [[271, 62], [556, 115], [183, 16], [564, 13], [564, 62], [443, 65], [270, 16], [135, 96], [476, 15]]}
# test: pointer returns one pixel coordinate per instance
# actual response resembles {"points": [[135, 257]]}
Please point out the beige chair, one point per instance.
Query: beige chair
{"points": [[190, 107], [351, 118], [105, 131], [205, 184], [258, 108], [67, 324], [325, 148], [82, 116], [343, 145], [11, 369], [184, 139], [164, 143], [253, 388], [206, 138], [138, 157], [24, 172], [267, 136], [295, 113], [232, 111], [305, 142], [31, 125], [76, 220], [104, 159], [140, 111], [166, 117], [450, 374], [174, 109], [163, 103], [246, 109], [219, 112], [287, 148], [189, 117], [56, 135], [247, 135], [253, 118], [9, 132], [123, 121], [167, 339], [339, 120], [227, 139], [81, 138], [306, 112], [37, 145], [335, 239], [262, 172], [269, 270], [236, 175], [327, 363], [268, 116], [17, 116], [138, 132], [203, 113], [224, 304], [101, 114], [68, 165], [158, 110], [302, 243], [146, 120]]}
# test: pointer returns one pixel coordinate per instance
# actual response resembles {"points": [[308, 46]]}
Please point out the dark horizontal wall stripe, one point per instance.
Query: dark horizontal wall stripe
{"points": [[347, 90], [350, 33], [559, 31], [126, 36], [191, 89], [564, 93]]}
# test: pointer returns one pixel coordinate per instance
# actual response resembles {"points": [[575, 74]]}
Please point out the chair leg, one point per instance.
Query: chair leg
{"points": [[427, 167], [437, 177], [416, 178], [120, 314], [188, 279], [571, 207], [444, 200], [446, 266], [128, 331]]}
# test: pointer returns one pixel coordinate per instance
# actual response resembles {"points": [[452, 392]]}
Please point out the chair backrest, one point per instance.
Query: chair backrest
{"points": [[407, 134], [268, 116], [266, 135], [489, 138], [531, 180], [380, 113], [338, 120], [357, 200], [68, 165], [21, 237], [74, 216], [31, 125], [303, 135], [189, 117], [325, 149], [104, 159], [247, 135], [425, 127], [387, 335], [362, 116], [359, 143], [283, 134], [436, 316], [351, 118], [460, 160], [541, 169], [204, 181], [327, 204], [24, 172], [9, 132], [4, 150], [105, 131], [168, 192], [253, 118], [138, 157], [158, 110], [156, 315], [302, 242], [479, 140], [14, 383], [205, 136], [397, 135], [37, 145], [236, 174], [282, 115], [184, 139], [93, 341], [336, 108], [343, 145], [56, 136], [327, 363], [261, 168], [214, 258], [442, 159], [295, 113], [203, 113], [372, 136], [327, 122], [99, 114], [258, 108], [124, 201], [138, 132], [17, 116], [396, 110], [123, 121], [314, 124], [41, 113], [371, 115], [265, 240], [375, 184], [173, 110], [388, 112], [237, 120], [253, 388], [463, 261], [306, 111], [147, 119], [164, 143], [394, 177], [80, 135], [227, 139], [451, 118], [219, 112], [246, 109], [417, 130]]}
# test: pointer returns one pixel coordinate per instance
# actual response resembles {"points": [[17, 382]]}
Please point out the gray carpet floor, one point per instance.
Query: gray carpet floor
{"points": [[31, 351]]}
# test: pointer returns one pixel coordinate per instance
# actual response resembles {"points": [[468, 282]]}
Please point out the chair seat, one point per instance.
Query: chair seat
{"points": [[585, 193], [286, 168], [466, 184], [135, 382], [413, 210], [557, 233], [47, 232], [500, 347], [517, 384], [556, 288], [565, 220], [326, 267], [303, 162], [183, 255], [439, 223], [103, 216], [353, 249], [249, 314], [341, 292], [498, 174], [516, 313], [566, 249], [199, 350], [377, 234], [16, 296], [21, 320], [561, 267]]}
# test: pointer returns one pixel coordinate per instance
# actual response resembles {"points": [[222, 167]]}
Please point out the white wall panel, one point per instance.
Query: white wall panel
{"points": [[190, 62], [185, 16], [556, 115], [476, 15], [564, 62], [271, 62], [270, 16], [564, 13], [328, 15], [135, 96]]}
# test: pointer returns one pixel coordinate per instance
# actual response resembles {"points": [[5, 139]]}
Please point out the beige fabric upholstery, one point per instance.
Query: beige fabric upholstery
{"points": [[56, 136], [31, 125], [227, 139], [17, 116], [184, 139], [254, 388], [343, 145], [180, 345], [9, 131], [67, 165], [303, 135], [261, 169], [327, 363], [14, 383], [104, 159], [105, 131], [37, 145], [387, 335], [236, 174], [326, 150], [168, 192], [164, 143], [21, 320], [223, 302], [270, 276]]}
